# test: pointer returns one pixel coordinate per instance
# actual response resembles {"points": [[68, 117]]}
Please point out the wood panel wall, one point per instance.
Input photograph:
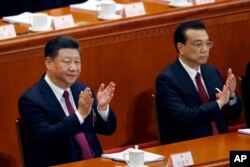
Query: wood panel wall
{"points": [[130, 52]]}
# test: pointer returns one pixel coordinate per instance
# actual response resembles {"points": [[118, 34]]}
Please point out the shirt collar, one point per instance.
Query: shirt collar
{"points": [[191, 72], [57, 90]]}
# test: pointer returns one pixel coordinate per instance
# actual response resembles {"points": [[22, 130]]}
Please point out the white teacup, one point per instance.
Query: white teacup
{"points": [[40, 21], [106, 9], [135, 158]]}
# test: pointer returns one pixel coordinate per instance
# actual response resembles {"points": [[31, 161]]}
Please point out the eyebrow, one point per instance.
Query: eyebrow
{"points": [[199, 40]]}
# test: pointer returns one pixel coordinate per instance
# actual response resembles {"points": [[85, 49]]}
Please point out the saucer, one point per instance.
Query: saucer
{"points": [[168, 1], [39, 30], [142, 166], [182, 4], [109, 18]]}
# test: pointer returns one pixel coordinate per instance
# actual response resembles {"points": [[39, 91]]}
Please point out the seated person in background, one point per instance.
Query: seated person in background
{"points": [[39, 5], [9, 8], [187, 103], [15, 7], [245, 88], [59, 113], [248, 72]]}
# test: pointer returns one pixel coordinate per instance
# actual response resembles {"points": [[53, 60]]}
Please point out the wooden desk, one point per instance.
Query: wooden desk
{"points": [[129, 51], [207, 151]]}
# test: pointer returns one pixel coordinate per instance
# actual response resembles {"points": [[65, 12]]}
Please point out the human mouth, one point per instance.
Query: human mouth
{"points": [[203, 57], [72, 76]]}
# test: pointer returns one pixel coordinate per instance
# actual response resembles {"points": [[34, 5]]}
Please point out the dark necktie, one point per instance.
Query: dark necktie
{"points": [[80, 137], [204, 97], [201, 89]]}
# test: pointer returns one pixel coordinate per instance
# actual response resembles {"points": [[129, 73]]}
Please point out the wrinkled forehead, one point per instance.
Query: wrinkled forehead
{"points": [[69, 53], [196, 35]]}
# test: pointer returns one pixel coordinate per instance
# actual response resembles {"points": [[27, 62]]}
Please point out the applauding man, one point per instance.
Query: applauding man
{"points": [[61, 116], [191, 97]]}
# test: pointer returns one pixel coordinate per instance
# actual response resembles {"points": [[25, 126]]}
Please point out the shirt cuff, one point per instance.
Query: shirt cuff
{"points": [[104, 114], [232, 100], [81, 120], [219, 104]]}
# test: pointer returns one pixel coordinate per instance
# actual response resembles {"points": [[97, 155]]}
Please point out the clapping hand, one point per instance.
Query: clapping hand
{"points": [[228, 88], [231, 81], [223, 96], [105, 95], [85, 102]]}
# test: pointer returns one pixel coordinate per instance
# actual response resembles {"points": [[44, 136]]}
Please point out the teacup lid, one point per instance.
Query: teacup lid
{"points": [[107, 2], [135, 150]]}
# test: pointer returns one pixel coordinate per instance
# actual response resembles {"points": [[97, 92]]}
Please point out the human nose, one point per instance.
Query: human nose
{"points": [[204, 47], [73, 66]]}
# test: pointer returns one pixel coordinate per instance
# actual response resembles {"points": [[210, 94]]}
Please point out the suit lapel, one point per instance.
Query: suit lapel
{"points": [[186, 82], [50, 98], [75, 92], [207, 77]]}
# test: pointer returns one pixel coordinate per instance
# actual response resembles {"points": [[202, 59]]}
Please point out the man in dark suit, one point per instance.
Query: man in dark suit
{"points": [[10, 7], [15, 7], [39, 5], [183, 111], [50, 126], [245, 91]]}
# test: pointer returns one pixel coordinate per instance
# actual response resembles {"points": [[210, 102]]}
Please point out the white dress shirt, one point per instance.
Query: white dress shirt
{"points": [[192, 73], [59, 95]]}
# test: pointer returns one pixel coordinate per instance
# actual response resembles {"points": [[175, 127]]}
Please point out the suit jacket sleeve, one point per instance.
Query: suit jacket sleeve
{"points": [[170, 98], [44, 124], [177, 95], [94, 121]]}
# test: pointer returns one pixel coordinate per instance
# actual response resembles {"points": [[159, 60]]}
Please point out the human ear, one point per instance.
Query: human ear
{"points": [[48, 62], [180, 47]]}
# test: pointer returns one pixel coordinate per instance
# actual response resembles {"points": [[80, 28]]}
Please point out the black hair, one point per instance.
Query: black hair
{"points": [[180, 32], [53, 46]]}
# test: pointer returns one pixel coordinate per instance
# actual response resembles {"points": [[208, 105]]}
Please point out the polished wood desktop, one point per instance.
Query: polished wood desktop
{"points": [[129, 51], [206, 151]]}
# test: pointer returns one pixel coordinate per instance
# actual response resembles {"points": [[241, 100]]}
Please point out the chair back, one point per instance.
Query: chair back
{"points": [[20, 139], [161, 132]]}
